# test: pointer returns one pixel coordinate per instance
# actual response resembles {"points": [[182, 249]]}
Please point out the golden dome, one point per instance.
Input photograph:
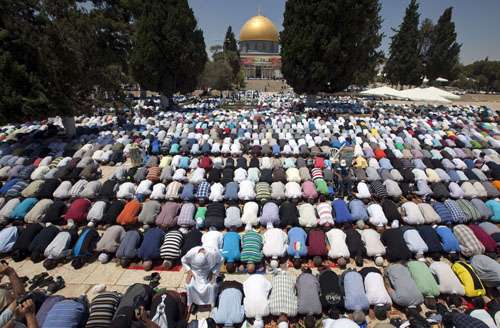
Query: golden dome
{"points": [[259, 28]]}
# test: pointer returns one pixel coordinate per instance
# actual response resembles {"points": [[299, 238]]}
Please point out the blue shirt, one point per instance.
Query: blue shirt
{"points": [[358, 210], [443, 212], [23, 208], [8, 237], [230, 310], [231, 246], [342, 213], [150, 247], [494, 206], [231, 192], [66, 314], [355, 298], [448, 240], [297, 242], [187, 192]]}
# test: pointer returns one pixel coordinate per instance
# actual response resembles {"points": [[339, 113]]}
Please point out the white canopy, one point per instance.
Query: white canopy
{"points": [[382, 92], [443, 93], [431, 94], [419, 94], [441, 79]]}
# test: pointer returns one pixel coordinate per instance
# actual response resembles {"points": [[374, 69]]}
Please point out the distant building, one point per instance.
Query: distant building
{"points": [[260, 49]]}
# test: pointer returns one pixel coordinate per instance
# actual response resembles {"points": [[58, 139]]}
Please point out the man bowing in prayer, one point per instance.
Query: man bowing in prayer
{"points": [[202, 265]]}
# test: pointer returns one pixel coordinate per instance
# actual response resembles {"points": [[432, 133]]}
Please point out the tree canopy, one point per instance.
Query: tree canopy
{"points": [[326, 45], [168, 53], [444, 51], [404, 65], [58, 58]]}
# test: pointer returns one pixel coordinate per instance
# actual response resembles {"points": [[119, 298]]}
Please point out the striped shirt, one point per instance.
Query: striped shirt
{"points": [[443, 212], [251, 250], [469, 244], [173, 189], [171, 247], [316, 173], [469, 210], [324, 210], [263, 190], [102, 309]]}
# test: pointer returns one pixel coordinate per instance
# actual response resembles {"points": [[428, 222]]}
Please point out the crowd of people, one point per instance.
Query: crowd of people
{"points": [[384, 206]]}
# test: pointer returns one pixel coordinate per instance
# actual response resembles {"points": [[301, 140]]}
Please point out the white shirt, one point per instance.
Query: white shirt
{"points": [[275, 242], [363, 191], [412, 214], [484, 316], [126, 190], [293, 175], [216, 192], [339, 323], [250, 211], [158, 191], [455, 190], [240, 174], [307, 215], [447, 280], [338, 247], [212, 239], [144, 187], [256, 302], [179, 175], [419, 174], [197, 175], [415, 242], [376, 215], [246, 190], [375, 289], [373, 244], [293, 190]]}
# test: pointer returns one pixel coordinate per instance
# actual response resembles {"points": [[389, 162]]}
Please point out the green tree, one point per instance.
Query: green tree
{"points": [[168, 52], [444, 51], [217, 75], [231, 53], [426, 34], [22, 94], [404, 65], [481, 75], [230, 41], [70, 58], [326, 45]]}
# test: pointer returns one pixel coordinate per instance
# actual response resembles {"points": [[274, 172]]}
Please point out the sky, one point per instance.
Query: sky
{"points": [[477, 21]]}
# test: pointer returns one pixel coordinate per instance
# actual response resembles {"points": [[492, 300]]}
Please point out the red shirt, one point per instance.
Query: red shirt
{"points": [[317, 243], [78, 210], [489, 243], [379, 153]]}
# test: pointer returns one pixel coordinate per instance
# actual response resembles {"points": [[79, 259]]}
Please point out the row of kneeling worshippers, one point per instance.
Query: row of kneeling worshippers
{"points": [[453, 295], [248, 251]]}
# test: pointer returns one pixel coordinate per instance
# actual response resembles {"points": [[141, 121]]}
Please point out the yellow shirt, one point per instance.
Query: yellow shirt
{"points": [[360, 162]]}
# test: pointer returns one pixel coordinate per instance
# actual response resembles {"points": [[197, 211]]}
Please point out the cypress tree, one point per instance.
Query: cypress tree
{"points": [[230, 41], [444, 51], [231, 53], [404, 65], [426, 34], [168, 48], [326, 45]]}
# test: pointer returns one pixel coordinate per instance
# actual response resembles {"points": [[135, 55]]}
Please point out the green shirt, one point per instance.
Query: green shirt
{"points": [[423, 277], [321, 186], [251, 248]]}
